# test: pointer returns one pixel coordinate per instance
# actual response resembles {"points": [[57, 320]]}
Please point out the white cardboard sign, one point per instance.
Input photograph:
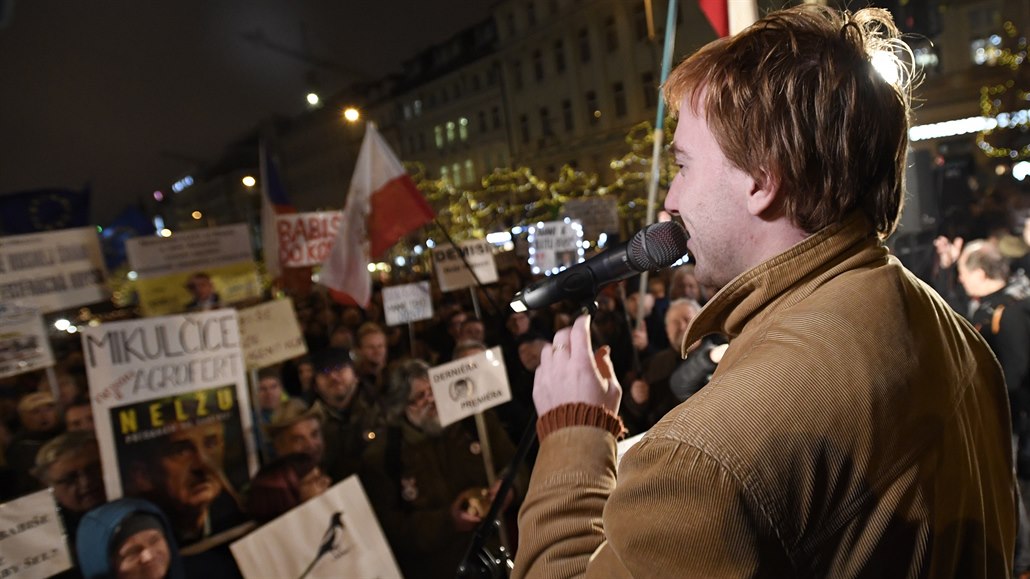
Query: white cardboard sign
{"points": [[469, 385], [335, 534], [32, 541], [270, 333], [407, 303], [24, 346], [52, 271], [451, 272]]}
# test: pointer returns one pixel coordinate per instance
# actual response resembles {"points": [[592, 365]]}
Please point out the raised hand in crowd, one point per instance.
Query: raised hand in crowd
{"points": [[947, 250]]}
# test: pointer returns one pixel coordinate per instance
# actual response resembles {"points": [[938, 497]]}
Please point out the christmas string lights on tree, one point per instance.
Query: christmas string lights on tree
{"points": [[1017, 99]]}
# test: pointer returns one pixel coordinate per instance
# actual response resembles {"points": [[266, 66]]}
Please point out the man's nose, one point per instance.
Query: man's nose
{"points": [[145, 556]]}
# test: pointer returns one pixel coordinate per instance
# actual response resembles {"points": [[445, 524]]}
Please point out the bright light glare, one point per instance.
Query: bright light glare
{"points": [[62, 324], [72, 329], [132, 275], [249, 181], [351, 114], [166, 232], [312, 99], [885, 64], [371, 268], [197, 214], [1021, 170]]}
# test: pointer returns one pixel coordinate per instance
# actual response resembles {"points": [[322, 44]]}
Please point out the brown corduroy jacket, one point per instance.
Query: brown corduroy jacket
{"points": [[856, 427]]}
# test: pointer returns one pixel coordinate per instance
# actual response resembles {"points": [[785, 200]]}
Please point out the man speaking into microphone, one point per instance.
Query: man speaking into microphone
{"points": [[856, 427]]}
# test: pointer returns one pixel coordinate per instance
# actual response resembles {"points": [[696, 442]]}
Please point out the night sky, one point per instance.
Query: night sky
{"points": [[130, 95]]}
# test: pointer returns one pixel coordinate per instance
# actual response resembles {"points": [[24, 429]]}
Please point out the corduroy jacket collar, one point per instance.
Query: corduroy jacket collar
{"points": [[792, 273]]}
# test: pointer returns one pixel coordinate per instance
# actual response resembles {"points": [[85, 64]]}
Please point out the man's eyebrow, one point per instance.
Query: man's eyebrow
{"points": [[679, 151]]}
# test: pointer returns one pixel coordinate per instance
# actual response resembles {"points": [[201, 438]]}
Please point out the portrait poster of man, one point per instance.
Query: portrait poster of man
{"points": [[170, 398]]}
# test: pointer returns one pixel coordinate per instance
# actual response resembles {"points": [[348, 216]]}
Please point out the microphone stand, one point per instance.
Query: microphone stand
{"points": [[479, 562]]}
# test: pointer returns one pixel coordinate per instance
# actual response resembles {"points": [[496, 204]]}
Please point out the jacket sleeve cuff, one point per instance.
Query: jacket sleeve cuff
{"points": [[579, 414]]}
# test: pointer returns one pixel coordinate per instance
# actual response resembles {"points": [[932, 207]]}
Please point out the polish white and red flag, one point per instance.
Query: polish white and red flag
{"points": [[383, 205], [729, 16]]}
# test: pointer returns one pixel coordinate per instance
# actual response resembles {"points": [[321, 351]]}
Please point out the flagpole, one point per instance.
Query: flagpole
{"points": [[659, 141]]}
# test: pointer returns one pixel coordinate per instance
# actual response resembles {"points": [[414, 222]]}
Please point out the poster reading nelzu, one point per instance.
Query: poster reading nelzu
{"points": [[172, 415]]}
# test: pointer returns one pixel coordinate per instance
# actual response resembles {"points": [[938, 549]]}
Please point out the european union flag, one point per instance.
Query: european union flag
{"points": [[43, 210]]}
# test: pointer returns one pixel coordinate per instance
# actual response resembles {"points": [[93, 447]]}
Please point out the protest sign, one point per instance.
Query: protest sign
{"points": [[52, 271], [172, 415], [269, 334], [597, 215], [555, 245], [451, 272], [32, 541], [23, 341], [474, 384], [407, 303], [335, 534], [167, 269], [306, 238]]}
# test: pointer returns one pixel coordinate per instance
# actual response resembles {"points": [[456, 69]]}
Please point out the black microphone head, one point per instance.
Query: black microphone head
{"points": [[656, 246]]}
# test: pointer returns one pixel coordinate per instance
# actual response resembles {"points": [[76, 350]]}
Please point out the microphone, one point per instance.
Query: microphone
{"points": [[656, 246]]}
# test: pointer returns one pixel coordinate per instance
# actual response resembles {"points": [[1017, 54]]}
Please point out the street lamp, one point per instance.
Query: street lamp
{"points": [[351, 114], [249, 181]]}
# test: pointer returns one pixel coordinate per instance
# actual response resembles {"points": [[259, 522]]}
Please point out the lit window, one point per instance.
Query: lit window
{"points": [[463, 129], [444, 175], [456, 174], [469, 170], [407, 112], [438, 131], [417, 107], [450, 131]]}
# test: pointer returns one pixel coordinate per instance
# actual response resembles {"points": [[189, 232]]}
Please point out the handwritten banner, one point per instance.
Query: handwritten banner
{"points": [[269, 334], [32, 541], [407, 303], [306, 238], [52, 271]]}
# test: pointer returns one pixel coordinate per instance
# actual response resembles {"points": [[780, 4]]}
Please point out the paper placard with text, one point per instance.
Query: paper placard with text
{"points": [[469, 385], [451, 272], [597, 215], [407, 303], [554, 245], [306, 238], [52, 271], [194, 270], [335, 534], [270, 333], [32, 544], [24, 346], [172, 414]]}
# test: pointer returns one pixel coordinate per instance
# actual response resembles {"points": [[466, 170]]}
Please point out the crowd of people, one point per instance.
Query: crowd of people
{"points": [[359, 403], [855, 407]]}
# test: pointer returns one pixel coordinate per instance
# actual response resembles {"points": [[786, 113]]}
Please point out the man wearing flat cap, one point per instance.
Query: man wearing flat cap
{"points": [[293, 427]]}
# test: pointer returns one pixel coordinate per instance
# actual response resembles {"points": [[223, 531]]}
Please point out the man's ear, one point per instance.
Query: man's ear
{"points": [[765, 195]]}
